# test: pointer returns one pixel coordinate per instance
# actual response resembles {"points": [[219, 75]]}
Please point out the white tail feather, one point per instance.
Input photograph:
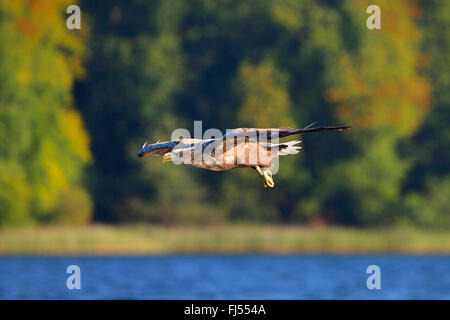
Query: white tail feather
{"points": [[290, 149]]}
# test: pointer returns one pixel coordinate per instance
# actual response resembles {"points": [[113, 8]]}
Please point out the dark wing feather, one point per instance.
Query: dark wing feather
{"points": [[284, 132], [159, 148], [270, 133]]}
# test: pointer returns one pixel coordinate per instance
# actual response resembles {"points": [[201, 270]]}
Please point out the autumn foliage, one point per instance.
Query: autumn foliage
{"points": [[76, 105]]}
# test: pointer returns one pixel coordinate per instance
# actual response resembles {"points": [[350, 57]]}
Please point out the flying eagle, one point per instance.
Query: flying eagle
{"points": [[238, 148]]}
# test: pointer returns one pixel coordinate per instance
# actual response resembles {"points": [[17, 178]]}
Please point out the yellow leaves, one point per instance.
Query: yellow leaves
{"points": [[266, 101], [39, 60], [15, 194], [65, 77], [37, 18], [398, 18], [380, 84], [24, 76], [400, 103], [55, 174], [25, 26], [74, 206], [287, 12], [52, 176], [38, 26], [71, 125]]}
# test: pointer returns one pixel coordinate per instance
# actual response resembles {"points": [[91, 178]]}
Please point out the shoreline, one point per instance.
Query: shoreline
{"points": [[153, 240]]}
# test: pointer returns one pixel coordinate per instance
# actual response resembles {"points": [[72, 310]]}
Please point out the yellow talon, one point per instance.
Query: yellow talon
{"points": [[268, 181], [259, 170], [167, 157]]}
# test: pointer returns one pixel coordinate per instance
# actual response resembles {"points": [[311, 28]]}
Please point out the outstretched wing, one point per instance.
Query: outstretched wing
{"points": [[284, 131], [252, 134], [269, 133]]}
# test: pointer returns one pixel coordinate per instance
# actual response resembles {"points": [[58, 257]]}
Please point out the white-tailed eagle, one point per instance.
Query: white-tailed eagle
{"points": [[238, 148]]}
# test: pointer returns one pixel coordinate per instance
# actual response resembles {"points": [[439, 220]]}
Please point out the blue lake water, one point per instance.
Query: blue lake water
{"points": [[227, 277]]}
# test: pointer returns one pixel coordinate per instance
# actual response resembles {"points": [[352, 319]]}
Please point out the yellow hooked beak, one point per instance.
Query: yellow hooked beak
{"points": [[167, 157]]}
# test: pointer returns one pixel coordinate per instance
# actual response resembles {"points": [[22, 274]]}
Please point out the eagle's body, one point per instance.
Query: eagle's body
{"points": [[239, 148]]}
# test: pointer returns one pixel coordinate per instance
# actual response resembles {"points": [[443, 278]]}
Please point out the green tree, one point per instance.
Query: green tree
{"points": [[429, 149], [159, 65], [44, 146], [378, 88]]}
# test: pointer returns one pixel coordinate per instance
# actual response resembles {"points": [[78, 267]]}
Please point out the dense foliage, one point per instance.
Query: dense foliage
{"points": [[154, 66], [44, 147]]}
